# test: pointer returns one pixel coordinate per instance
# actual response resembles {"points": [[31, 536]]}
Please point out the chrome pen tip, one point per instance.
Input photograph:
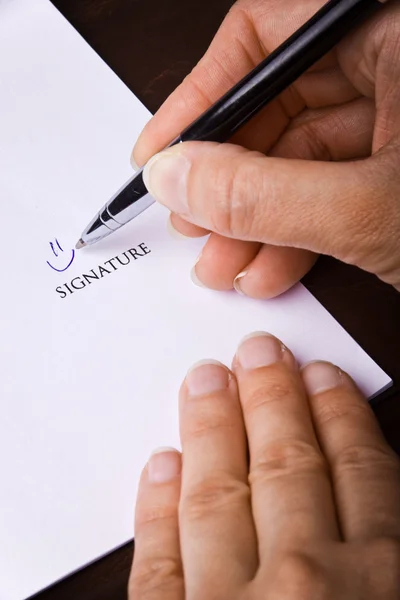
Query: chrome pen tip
{"points": [[80, 244]]}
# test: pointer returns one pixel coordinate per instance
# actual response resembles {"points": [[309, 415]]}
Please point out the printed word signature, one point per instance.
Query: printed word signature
{"points": [[107, 268]]}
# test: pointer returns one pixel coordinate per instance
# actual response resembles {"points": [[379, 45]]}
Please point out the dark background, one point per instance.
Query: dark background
{"points": [[152, 45]]}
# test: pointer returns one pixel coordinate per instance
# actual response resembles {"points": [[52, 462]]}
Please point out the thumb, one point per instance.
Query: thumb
{"points": [[325, 207]]}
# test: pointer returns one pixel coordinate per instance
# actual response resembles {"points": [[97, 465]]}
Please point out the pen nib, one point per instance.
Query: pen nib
{"points": [[80, 244]]}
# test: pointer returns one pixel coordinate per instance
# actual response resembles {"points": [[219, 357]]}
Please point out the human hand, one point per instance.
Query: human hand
{"points": [[289, 188], [287, 489]]}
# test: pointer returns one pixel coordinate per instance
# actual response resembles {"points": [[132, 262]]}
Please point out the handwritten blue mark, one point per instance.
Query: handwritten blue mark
{"points": [[56, 248]]}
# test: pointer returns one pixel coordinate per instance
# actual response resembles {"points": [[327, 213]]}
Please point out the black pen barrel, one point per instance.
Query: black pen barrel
{"points": [[280, 69]]}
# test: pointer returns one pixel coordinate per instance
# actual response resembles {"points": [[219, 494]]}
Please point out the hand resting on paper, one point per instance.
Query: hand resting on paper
{"points": [[318, 171], [287, 489]]}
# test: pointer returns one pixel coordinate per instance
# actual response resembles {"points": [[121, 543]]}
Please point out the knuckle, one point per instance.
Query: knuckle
{"points": [[204, 426], [147, 515], [191, 93], [333, 409], [365, 457], [300, 577], [304, 141], [215, 417], [241, 10], [154, 574], [234, 206], [285, 459], [222, 181], [212, 495], [267, 391]]}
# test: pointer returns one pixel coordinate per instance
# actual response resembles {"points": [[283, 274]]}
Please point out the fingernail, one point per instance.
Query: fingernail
{"points": [[259, 349], [206, 377], [165, 176], [134, 164], [164, 465], [321, 376], [195, 279], [237, 282], [193, 273], [174, 233]]}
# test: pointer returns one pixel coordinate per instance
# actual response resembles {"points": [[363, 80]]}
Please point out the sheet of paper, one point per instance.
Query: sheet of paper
{"points": [[94, 344]]}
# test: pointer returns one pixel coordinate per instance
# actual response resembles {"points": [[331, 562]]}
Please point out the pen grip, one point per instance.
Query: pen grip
{"points": [[280, 69]]}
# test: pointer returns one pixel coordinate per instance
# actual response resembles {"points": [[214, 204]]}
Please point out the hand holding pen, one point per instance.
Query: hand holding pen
{"points": [[317, 171]]}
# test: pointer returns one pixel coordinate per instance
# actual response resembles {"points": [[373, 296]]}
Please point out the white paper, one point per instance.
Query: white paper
{"points": [[89, 381]]}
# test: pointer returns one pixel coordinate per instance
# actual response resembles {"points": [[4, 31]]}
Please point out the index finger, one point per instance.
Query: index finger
{"points": [[227, 60]]}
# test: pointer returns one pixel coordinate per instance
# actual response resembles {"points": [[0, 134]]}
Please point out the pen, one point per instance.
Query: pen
{"points": [[262, 85]]}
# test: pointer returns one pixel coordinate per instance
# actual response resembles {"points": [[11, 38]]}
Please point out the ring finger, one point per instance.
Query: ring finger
{"points": [[291, 491]]}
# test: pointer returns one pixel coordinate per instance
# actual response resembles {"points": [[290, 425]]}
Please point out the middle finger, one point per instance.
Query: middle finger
{"points": [[292, 498]]}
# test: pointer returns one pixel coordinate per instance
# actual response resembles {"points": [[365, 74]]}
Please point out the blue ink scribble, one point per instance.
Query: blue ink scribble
{"points": [[56, 254], [54, 250]]}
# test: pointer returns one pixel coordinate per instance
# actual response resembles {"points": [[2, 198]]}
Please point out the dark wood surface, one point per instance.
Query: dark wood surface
{"points": [[152, 45]]}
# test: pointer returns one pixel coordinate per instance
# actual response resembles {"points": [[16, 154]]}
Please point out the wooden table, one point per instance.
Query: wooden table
{"points": [[152, 45]]}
